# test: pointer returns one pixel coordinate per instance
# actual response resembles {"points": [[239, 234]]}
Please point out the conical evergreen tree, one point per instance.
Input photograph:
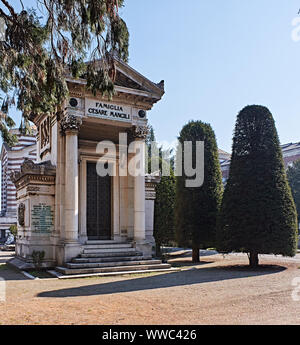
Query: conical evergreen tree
{"points": [[258, 214], [164, 212], [196, 208], [293, 174], [164, 232]]}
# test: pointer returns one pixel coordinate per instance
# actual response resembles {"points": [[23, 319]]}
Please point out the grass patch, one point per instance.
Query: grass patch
{"points": [[3, 267], [40, 274]]}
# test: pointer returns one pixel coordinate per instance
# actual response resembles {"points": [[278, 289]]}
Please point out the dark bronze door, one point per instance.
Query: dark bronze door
{"points": [[98, 205]]}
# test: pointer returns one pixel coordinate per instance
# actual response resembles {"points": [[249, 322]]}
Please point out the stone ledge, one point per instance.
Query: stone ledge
{"points": [[111, 274], [22, 265], [19, 264]]}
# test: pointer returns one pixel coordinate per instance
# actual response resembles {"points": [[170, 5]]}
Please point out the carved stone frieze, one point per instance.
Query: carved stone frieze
{"points": [[21, 214], [31, 168], [45, 133], [151, 182], [70, 123], [138, 132]]}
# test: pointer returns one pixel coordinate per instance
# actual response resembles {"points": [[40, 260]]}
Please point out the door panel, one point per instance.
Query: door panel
{"points": [[98, 205]]}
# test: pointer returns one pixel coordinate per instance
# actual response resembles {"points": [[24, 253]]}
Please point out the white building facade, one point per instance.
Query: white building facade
{"points": [[11, 160], [77, 218]]}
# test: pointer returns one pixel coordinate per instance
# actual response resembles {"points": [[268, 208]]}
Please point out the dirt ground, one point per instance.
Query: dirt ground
{"points": [[218, 291]]}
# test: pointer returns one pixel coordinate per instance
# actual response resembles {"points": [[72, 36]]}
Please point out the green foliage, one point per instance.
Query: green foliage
{"points": [[44, 46], [38, 257], [197, 208], [14, 230], [164, 232], [258, 214], [165, 195], [150, 139], [293, 174]]}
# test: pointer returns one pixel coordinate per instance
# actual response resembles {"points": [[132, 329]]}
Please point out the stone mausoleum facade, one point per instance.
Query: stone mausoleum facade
{"points": [[68, 211]]}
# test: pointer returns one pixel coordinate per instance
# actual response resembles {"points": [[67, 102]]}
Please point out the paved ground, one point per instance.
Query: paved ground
{"points": [[219, 291]]}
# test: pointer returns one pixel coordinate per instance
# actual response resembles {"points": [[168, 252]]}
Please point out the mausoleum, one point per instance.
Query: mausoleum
{"points": [[83, 222]]}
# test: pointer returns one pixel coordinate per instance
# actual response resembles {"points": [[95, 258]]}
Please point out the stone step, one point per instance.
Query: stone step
{"points": [[108, 250], [88, 242], [108, 246], [72, 271], [110, 259], [110, 254], [111, 274], [112, 264]]}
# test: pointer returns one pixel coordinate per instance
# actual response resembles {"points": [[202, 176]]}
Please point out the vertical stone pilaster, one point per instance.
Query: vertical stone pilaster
{"points": [[138, 135], [71, 187], [139, 199], [70, 126]]}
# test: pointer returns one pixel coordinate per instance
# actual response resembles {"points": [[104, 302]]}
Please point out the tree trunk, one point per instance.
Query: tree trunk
{"points": [[158, 250], [196, 255], [253, 259]]}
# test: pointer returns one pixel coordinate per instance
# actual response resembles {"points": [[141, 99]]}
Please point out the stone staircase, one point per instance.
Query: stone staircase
{"points": [[110, 258]]}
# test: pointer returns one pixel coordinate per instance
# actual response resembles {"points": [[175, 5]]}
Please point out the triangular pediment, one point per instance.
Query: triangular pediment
{"points": [[124, 81], [129, 84], [128, 77]]}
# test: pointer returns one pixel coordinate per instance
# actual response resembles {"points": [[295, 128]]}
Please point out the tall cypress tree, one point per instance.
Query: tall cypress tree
{"points": [[164, 212], [196, 208], [165, 195], [258, 214], [51, 42], [293, 174]]}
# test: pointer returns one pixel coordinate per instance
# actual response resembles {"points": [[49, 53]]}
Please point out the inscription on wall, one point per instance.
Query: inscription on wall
{"points": [[42, 218], [108, 111]]}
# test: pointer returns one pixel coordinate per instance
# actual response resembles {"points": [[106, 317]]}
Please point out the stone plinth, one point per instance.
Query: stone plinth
{"points": [[150, 195], [35, 185]]}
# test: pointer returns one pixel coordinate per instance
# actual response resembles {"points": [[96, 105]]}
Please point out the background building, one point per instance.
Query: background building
{"points": [[290, 152], [11, 160], [224, 158]]}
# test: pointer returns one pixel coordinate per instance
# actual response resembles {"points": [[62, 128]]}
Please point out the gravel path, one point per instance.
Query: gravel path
{"points": [[218, 291]]}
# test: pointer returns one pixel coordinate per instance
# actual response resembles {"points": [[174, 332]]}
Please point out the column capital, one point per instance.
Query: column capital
{"points": [[138, 132], [70, 123]]}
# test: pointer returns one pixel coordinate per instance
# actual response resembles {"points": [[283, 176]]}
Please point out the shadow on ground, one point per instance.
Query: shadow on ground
{"points": [[187, 263], [189, 277], [8, 273]]}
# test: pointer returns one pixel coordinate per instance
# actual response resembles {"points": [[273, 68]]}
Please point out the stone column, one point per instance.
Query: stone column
{"points": [[151, 182], [70, 126], [139, 134], [139, 197]]}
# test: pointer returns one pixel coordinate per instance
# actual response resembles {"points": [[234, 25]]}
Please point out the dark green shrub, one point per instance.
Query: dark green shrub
{"points": [[197, 208], [258, 214]]}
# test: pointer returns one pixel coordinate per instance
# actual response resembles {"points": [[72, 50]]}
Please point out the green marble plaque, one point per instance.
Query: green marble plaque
{"points": [[42, 218]]}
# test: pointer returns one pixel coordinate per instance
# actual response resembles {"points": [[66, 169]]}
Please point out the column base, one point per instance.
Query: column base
{"points": [[145, 247], [67, 250]]}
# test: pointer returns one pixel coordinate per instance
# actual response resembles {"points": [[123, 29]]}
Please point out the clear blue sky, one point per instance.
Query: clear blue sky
{"points": [[217, 56]]}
